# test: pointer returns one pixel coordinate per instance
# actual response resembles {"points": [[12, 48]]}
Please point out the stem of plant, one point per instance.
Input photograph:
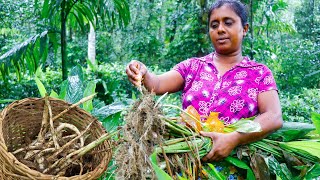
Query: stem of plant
{"points": [[69, 143], [176, 107], [79, 153], [173, 128], [95, 143], [53, 132], [176, 127], [44, 122], [74, 105]]}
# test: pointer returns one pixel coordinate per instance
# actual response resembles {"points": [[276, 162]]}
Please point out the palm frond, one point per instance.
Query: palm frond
{"points": [[114, 11], [25, 56]]}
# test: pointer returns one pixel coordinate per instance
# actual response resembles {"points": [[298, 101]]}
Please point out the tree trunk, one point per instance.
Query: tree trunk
{"points": [[70, 34], [203, 20], [92, 45], [64, 40], [251, 29], [162, 29]]}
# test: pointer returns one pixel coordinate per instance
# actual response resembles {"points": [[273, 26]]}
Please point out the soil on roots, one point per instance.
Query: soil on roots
{"points": [[143, 129]]}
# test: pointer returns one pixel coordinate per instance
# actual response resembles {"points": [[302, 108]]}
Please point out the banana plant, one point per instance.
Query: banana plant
{"points": [[57, 14]]}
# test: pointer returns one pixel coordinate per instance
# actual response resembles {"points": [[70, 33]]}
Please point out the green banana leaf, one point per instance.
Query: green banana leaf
{"points": [[242, 165], [311, 147], [54, 94], [89, 90], [161, 174], [281, 170], [41, 88], [313, 172], [214, 174], [291, 131]]}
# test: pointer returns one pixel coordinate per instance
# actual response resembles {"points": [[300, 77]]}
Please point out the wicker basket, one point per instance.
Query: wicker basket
{"points": [[22, 119]]}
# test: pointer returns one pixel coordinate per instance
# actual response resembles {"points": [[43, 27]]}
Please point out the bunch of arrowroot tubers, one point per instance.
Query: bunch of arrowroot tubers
{"points": [[60, 147]]}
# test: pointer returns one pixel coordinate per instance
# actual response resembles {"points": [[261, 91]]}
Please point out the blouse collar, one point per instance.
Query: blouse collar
{"points": [[246, 62]]}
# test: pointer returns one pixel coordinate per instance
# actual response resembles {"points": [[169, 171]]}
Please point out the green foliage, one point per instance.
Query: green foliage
{"points": [[161, 33], [293, 60], [291, 131], [312, 147], [114, 86], [307, 20], [110, 173], [185, 42], [298, 107], [313, 172], [281, 170], [140, 40], [79, 13], [112, 82], [55, 14], [214, 174], [89, 90], [315, 117], [25, 56], [76, 54], [240, 164], [76, 87], [297, 65], [161, 174], [111, 115], [186, 35], [244, 126], [167, 32], [42, 89], [17, 22], [6, 101], [27, 87], [73, 89]]}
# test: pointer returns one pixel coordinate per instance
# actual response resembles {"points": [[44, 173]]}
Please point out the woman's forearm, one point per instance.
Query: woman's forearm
{"points": [[170, 82], [151, 82], [269, 123]]}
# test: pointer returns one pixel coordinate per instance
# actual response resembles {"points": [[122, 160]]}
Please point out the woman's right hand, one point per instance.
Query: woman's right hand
{"points": [[135, 71]]}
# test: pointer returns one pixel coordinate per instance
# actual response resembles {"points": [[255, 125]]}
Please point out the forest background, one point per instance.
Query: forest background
{"points": [[82, 43]]}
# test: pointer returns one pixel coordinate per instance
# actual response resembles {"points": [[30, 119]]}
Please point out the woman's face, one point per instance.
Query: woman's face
{"points": [[226, 31]]}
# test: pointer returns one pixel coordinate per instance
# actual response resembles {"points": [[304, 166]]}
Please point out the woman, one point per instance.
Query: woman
{"points": [[223, 81]]}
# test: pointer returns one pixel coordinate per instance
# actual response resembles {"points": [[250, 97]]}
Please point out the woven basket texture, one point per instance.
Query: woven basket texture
{"points": [[20, 123]]}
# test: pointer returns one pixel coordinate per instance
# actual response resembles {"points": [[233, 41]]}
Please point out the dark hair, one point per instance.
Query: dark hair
{"points": [[239, 8]]}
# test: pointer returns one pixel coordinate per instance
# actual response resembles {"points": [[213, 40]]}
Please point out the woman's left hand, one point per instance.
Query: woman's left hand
{"points": [[223, 144]]}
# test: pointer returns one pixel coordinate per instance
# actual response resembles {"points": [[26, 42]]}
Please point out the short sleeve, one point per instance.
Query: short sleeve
{"points": [[183, 67], [266, 81]]}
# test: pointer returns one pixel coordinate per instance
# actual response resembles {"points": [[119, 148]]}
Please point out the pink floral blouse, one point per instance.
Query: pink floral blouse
{"points": [[234, 95]]}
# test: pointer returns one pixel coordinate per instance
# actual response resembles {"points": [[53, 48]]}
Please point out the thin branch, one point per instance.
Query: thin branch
{"points": [[69, 143], [44, 123], [53, 133], [73, 105], [313, 73]]}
